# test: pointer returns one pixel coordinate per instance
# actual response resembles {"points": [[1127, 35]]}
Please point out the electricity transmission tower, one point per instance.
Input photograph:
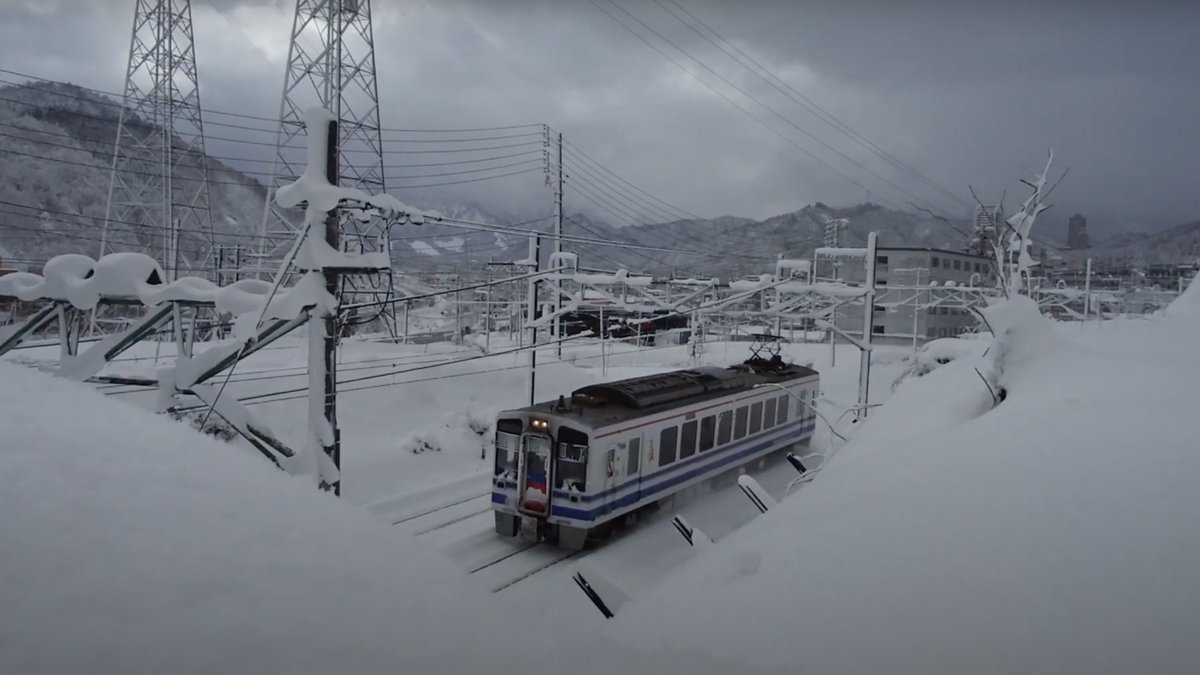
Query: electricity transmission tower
{"points": [[159, 182], [331, 64]]}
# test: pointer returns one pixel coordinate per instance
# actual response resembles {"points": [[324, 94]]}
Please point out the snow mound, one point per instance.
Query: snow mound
{"points": [[132, 544], [1188, 302], [1055, 532]]}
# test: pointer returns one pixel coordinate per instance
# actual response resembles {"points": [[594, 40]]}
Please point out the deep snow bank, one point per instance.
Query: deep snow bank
{"points": [[1056, 533], [130, 544]]}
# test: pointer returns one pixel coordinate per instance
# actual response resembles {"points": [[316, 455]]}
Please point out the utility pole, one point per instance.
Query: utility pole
{"points": [[558, 234], [864, 364], [1087, 292], [535, 252], [916, 308], [325, 339]]}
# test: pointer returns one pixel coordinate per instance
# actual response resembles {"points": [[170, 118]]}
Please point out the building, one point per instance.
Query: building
{"points": [[905, 283], [1077, 235]]}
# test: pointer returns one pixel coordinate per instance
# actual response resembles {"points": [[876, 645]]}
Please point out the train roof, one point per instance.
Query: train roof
{"points": [[610, 403]]}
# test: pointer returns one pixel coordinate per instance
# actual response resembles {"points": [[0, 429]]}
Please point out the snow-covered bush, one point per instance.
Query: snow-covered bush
{"points": [[937, 353], [421, 442]]}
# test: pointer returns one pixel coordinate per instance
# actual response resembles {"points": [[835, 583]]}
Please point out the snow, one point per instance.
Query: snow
{"points": [[741, 285], [621, 276], [134, 545], [1056, 532], [693, 281], [839, 252], [451, 243], [423, 248]]}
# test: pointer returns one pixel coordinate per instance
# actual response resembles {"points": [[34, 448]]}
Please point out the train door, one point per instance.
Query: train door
{"points": [[611, 463], [533, 494], [630, 470]]}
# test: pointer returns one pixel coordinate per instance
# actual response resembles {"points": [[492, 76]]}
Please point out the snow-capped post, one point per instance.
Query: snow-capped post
{"points": [[326, 338], [535, 252], [864, 364], [1087, 291], [558, 249]]}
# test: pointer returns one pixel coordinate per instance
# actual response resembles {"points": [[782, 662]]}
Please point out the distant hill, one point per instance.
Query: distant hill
{"points": [[1169, 245], [56, 145]]}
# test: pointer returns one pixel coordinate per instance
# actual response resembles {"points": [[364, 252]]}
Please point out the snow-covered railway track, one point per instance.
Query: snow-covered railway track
{"points": [[519, 564], [429, 512], [548, 564], [457, 519]]}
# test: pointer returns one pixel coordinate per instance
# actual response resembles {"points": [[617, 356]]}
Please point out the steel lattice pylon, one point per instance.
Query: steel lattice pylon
{"points": [[159, 183], [331, 63]]}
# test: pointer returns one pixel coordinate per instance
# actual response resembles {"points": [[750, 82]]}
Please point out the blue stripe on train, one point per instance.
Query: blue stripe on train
{"points": [[798, 428], [650, 491]]}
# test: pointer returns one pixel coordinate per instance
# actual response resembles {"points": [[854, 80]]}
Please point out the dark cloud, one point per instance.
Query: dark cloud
{"points": [[969, 93]]}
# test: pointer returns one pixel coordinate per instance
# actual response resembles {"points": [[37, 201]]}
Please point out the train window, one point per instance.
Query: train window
{"points": [[725, 427], [508, 444], [666, 445], [768, 413], [570, 466], [756, 418], [708, 432], [634, 458], [687, 440], [781, 406], [739, 422], [571, 474]]}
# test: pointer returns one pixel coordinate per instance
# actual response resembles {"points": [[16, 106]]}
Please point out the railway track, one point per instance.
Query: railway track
{"points": [[520, 564], [443, 507]]}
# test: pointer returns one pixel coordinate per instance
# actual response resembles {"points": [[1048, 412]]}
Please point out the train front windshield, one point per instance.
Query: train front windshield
{"points": [[508, 444]]}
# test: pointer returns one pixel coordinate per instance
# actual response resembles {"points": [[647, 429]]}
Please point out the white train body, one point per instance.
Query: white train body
{"points": [[567, 469]]}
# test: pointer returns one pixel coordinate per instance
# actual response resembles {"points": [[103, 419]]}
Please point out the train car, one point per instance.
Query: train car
{"points": [[568, 470]]}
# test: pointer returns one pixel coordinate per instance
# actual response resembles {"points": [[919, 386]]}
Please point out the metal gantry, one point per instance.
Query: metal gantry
{"points": [[159, 179]]}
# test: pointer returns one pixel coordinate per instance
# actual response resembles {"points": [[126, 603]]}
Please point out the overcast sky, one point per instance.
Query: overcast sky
{"points": [[967, 93]]}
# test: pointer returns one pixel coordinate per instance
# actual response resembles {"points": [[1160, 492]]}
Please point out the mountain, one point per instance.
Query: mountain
{"points": [[1166, 246], [734, 246], [56, 144]]}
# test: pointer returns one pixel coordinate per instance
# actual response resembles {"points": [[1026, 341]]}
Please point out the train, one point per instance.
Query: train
{"points": [[570, 470]]}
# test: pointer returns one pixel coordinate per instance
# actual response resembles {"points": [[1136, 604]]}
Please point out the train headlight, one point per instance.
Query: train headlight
{"points": [[539, 425]]}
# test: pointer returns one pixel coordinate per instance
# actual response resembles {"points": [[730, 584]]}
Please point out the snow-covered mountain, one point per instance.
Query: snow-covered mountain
{"points": [[56, 144], [1153, 247]]}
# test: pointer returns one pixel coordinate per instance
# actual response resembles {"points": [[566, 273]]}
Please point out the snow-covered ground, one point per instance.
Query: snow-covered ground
{"points": [[1054, 532]]}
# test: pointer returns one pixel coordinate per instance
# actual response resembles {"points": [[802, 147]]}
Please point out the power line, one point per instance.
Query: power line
{"points": [[605, 169], [804, 101], [746, 94]]}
